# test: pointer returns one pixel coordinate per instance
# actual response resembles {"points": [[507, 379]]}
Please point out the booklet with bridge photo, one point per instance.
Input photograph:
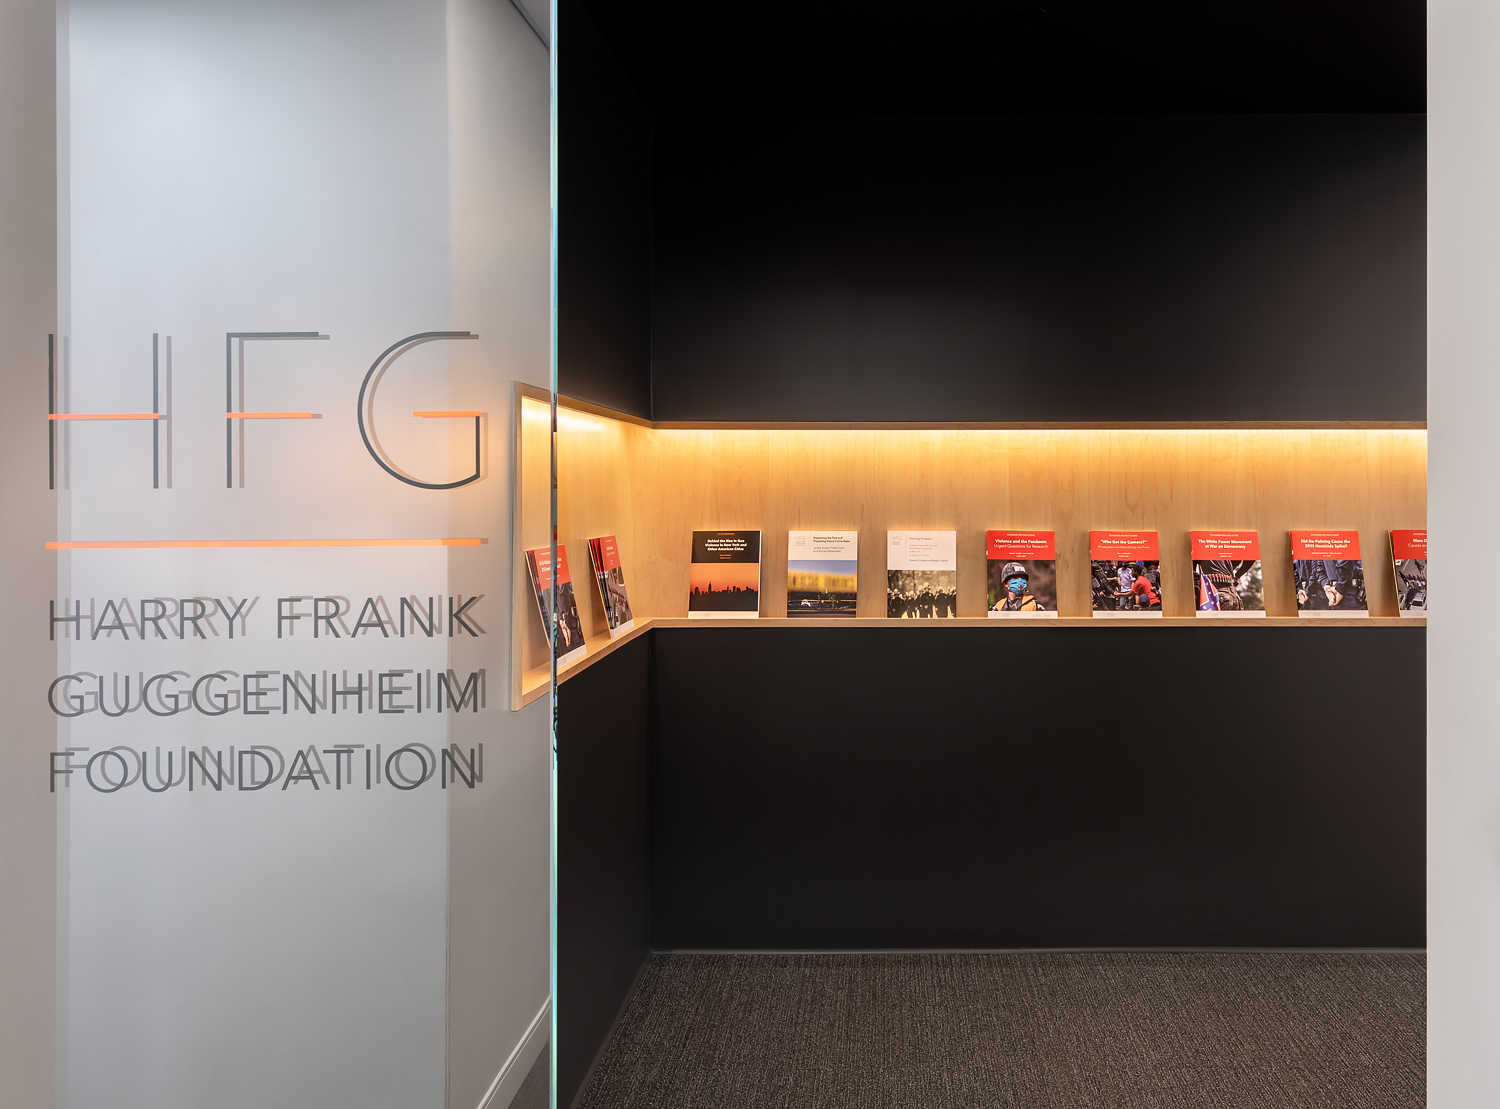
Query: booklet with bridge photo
{"points": [[822, 574]]}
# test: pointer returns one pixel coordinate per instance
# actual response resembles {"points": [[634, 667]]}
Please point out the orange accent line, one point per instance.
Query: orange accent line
{"points": [[268, 415], [104, 416], [443, 415], [164, 544]]}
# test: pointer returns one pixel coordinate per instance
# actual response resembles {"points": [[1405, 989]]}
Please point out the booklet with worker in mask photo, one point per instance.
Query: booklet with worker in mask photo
{"points": [[1125, 572], [822, 574], [1409, 557], [570, 646], [1327, 574], [604, 553], [1021, 574], [1226, 574], [724, 578]]}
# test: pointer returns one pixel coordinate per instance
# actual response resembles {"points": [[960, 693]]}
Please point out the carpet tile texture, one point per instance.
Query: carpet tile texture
{"points": [[1031, 1031]]}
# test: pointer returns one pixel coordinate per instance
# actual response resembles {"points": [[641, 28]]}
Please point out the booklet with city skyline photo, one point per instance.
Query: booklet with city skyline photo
{"points": [[604, 553], [921, 575], [1327, 574], [1409, 559], [570, 647], [822, 574], [724, 578], [1125, 572], [1021, 574], [1227, 579]]}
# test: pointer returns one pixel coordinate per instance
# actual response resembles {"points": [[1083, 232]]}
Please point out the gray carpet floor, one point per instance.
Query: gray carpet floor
{"points": [[1036, 1031]]}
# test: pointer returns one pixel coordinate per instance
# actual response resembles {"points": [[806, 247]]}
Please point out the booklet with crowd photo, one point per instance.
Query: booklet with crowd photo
{"points": [[1021, 569], [1226, 573], [822, 574], [570, 646], [921, 571], [1409, 556], [1327, 574], [724, 579], [1125, 567], [604, 553]]}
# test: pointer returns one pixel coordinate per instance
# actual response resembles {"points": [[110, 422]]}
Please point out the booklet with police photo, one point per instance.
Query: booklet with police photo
{"points": [[724, 578], [822, 574], [1021, 568], [1327, 574], [1125, 572], [921, 571], [1226, 574], [604, 553], [1409, 557], [570, 646]]}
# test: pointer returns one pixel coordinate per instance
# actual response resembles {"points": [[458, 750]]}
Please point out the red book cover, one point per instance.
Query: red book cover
{"points": [[570, 645], [1021, 571], [1409, 555], [1227, 579], [1125, 568], [1327, 574], [604, 553]]}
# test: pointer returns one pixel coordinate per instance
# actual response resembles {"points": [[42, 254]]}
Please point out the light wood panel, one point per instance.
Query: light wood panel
{"points": [[653, 486]]}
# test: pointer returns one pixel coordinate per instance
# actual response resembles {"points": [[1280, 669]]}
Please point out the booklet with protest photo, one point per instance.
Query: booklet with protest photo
{"points": [[1021, 573]]}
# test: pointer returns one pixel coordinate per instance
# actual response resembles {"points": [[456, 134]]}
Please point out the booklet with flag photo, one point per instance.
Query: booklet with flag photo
{"points": [[604, 553], [1409, 554], [1327, 574], [921, 572], [1022, 574], [1125, 567], [570, 646], [822, 574], [724, 579], [1226, 573]]}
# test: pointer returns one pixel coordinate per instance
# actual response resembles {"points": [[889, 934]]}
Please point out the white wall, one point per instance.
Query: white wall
{"points": [[27, 520], [1463, 711], [366, 171]]}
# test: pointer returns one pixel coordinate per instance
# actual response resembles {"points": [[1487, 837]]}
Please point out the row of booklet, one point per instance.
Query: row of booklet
{"points": [[1021, 571]]}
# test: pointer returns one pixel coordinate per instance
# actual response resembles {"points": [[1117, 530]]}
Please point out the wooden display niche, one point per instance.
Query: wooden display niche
{"points": [[651, 486]]}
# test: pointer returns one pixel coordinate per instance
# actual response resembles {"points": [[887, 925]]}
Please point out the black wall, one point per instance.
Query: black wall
{"points": [[1055, 787], [604, 224], [1046, 268], [602, 821]]}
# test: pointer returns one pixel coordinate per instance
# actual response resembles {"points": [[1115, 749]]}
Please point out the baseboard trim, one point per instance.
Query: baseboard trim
{"points": [[1040, 950], [609, 1036], [513, 1071]]}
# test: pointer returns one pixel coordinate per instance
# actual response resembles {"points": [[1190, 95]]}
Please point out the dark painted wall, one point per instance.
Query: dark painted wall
{"points": [[1052, 268], [985, 787], [602, 819], [604, 224]]}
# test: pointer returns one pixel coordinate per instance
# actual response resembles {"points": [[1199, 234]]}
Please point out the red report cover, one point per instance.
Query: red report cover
{"points": [[1126, 574], [1226, 574], [1409, 555], [1021, 573], [1328, 574], [604, 552], [570, 646]]}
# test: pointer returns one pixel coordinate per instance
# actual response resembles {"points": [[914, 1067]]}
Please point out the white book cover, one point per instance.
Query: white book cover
{"points": [[822, 574], [921, 575]]}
